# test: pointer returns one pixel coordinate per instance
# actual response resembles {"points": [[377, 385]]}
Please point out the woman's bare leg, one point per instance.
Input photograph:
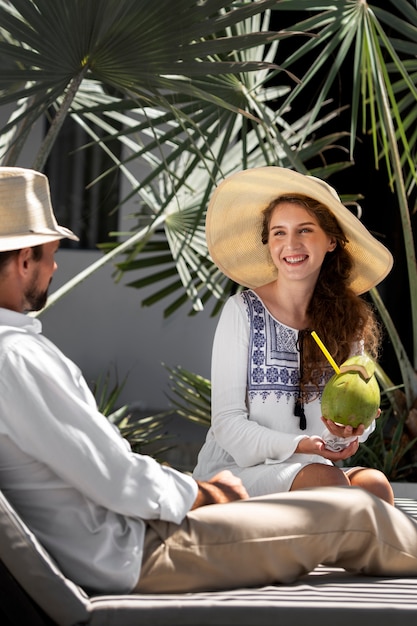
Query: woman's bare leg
{"points": [[320, 475], [372, 480]]}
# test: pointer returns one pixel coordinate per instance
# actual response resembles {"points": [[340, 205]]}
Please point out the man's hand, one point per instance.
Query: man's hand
{"points": [[223, 487]]}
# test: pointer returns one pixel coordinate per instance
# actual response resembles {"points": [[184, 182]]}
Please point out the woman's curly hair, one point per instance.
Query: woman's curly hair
{"points": [[340, 318]]}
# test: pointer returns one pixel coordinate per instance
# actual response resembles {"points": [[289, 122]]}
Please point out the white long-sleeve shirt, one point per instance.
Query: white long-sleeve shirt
{"points": [[67, 470], [255, 383]]}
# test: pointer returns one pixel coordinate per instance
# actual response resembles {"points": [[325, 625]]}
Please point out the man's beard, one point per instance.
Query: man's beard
{"points": [[36, 299]]}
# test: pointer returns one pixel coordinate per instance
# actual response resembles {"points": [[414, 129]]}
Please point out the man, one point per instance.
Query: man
{"points": [[119, 522]]}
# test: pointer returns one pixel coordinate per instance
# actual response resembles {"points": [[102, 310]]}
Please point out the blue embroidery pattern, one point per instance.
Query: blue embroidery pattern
{"points": [[273, 364], [273, 356]]}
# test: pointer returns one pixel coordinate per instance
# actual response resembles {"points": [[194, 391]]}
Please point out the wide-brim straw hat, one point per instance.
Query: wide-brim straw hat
{"points": [[26, 215], [234, 227]]}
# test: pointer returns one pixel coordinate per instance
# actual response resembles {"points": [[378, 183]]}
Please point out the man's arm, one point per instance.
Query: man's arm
{"points": [[222, 488]]}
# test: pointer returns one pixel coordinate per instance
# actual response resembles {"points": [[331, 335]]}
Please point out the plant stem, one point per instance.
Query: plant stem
{"points": [[58, 121]]}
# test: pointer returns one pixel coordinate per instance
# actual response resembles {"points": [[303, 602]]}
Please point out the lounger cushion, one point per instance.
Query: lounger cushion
{"points": [[326, 597], [37, 573]]}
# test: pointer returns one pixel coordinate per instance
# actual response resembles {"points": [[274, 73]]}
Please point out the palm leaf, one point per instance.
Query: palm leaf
{"points": [[191, 395], [103, 42], [142, 50]]}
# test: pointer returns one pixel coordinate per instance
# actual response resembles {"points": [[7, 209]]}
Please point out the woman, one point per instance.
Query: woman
{"points": [[304, 258]]}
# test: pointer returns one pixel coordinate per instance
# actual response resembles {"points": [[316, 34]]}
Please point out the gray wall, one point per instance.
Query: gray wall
{"points": [[102, 326]]}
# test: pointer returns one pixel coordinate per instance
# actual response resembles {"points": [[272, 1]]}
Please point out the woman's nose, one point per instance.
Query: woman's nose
{"points": [[293, 240]]}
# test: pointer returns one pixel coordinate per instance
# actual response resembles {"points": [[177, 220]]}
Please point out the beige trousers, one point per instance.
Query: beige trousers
{"points": [[277, 538]]}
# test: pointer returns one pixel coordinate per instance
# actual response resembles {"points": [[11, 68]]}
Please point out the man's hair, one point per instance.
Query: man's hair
{"points": [[6, 255]]}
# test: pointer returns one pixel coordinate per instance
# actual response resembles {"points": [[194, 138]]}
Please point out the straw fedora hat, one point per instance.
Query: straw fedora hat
{"points": [[234, 226], [26, 215]]}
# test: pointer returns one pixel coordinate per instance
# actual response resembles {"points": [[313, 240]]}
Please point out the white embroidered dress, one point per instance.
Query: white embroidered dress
{"points": [[255, 383]]}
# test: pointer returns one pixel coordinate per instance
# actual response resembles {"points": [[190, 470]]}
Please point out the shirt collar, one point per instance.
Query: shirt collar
{"points": [[20, 320]]}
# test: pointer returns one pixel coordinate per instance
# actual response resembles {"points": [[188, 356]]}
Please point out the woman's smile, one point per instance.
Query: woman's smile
{"points": [[294, 260]]}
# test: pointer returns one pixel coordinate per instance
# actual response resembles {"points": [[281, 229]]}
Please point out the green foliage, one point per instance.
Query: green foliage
{"points": [[145, 433], [107, 394], [191, 395], [190, 102]]}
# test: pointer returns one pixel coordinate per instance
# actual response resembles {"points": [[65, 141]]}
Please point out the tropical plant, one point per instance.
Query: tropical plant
{"points": [[187, 129], [147, 434], [191, 397]]}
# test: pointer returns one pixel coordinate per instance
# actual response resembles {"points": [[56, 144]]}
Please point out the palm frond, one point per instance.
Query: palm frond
{"points": [[191, 395]]}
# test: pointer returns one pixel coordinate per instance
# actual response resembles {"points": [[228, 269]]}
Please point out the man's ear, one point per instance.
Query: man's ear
{"points": [[25, 256]]}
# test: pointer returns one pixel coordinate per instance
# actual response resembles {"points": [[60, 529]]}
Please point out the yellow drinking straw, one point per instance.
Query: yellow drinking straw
{"points": [[325, 351]]}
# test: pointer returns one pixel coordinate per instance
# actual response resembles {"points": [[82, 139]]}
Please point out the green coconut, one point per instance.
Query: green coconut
{"points": [[352, 397]]}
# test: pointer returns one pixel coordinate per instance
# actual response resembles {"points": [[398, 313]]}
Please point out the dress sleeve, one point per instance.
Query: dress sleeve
{"points": [[48, 411], [248, 442]]}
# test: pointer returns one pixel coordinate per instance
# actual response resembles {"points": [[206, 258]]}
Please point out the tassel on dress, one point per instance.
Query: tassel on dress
{"points": [[299, 412], [299, 404]]}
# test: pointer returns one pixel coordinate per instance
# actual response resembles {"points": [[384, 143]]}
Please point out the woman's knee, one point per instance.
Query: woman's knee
{"points": [[374, 481], [320, 475]]}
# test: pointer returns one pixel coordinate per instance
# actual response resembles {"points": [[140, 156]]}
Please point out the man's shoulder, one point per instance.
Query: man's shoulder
{"points": [[10, 334], [17, 340]]}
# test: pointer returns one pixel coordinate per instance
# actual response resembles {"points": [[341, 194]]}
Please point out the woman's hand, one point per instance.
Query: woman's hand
{"points": [[317, 445], [345, 431]]}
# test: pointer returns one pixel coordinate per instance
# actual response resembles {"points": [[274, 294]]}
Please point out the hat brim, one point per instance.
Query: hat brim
{"points": [[17, 242], [234, 227]]}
